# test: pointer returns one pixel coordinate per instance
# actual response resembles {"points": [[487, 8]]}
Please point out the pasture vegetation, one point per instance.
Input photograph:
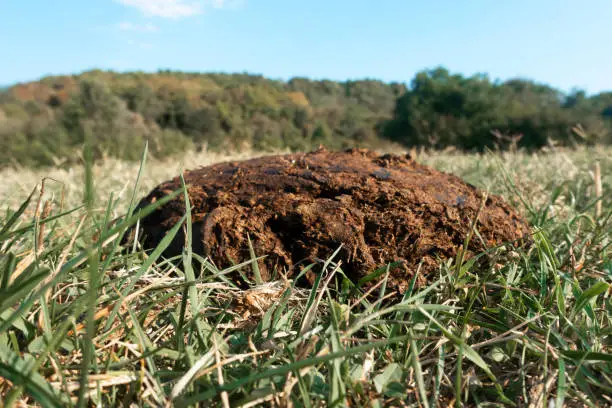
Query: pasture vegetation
{"points": [[42, 122], [82, 320]]}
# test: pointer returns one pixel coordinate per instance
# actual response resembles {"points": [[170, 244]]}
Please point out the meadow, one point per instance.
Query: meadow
{"points": [[85, 322]]}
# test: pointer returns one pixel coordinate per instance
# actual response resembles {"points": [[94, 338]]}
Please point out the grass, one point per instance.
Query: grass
{"points": [[83, 323]]}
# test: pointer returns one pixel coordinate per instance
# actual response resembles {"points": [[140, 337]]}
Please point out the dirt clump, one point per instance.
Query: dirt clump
{"points": [[299, 208]]}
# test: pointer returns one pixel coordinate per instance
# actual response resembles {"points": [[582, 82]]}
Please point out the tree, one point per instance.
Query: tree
{"points": [[203, 125], [95, 104]]}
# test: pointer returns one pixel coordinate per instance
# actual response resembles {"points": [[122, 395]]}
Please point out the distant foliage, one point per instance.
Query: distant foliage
{"points": [[441, 110], [45, 122]]}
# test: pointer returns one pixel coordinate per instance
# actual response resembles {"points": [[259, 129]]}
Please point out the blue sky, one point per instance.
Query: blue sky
{"points": [[565, 43]]}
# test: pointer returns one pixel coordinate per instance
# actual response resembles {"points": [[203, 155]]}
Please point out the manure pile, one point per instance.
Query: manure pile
{"points": [[299, 208]]}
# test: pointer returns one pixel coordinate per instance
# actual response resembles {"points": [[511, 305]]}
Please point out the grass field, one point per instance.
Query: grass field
{"points": [[79, 319]]}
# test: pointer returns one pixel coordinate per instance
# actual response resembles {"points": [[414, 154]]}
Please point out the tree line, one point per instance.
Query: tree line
{"points": [[47, 122]]}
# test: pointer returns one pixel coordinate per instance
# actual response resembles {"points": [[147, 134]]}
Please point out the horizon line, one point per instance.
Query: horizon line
{"points": [[286, 80]]}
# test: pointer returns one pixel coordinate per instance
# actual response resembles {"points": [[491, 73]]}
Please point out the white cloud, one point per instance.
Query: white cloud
{"points": [[226, 4], [165, 8], [218, 3], [145, 28], [179, 8]]}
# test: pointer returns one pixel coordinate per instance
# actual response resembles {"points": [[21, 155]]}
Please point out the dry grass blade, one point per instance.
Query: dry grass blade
{"points": [[180, 386], [598, 189], [220, 380], [107, 380]]}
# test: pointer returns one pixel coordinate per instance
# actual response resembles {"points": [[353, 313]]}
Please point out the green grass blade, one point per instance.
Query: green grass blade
{"points": [[254, 264], [418, 372], [16, 215], [157, 252], [584, 298]]}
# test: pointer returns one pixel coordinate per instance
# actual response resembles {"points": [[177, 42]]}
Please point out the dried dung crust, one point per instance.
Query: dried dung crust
{"points": [[298, 208]]}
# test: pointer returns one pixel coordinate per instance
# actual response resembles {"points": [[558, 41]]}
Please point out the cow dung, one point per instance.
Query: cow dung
{"points": [[297, 209]]}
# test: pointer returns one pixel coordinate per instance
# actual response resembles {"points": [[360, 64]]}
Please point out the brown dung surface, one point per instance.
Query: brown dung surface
{"points": [[300, 208]]}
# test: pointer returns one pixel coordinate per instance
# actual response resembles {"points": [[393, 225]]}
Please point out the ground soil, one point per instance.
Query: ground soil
{"points": [[299, 208]]}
